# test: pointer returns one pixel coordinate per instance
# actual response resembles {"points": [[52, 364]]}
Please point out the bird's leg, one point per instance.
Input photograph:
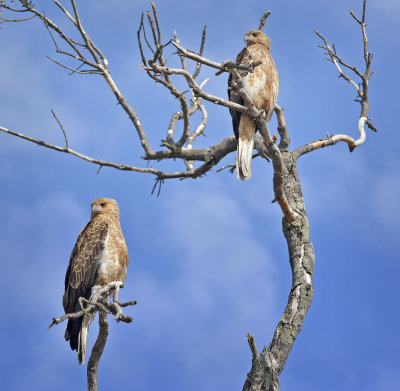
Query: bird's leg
{"points": [[116, 293]]}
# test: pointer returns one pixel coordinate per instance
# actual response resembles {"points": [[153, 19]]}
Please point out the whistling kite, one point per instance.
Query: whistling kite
{"points": [[261, 86], [99, 257]]}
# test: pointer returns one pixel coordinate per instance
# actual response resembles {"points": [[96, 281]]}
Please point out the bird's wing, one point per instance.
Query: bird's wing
{"points": [[243, 57], [83, 264]]}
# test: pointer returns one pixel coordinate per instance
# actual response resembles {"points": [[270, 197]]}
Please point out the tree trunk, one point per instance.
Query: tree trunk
{"points": [[267, 367]]}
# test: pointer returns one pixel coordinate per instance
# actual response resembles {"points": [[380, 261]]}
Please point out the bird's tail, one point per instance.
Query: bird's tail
{"points": [[82, 338], [72, 332], [244, 155], [77, 334]]}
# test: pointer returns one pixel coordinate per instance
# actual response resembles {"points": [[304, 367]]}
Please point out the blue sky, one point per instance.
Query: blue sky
{"points": [[208, 258]]}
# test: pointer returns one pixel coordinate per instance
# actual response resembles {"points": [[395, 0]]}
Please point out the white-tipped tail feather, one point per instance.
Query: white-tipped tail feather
{"points": [[83, 337], [244, 154]]}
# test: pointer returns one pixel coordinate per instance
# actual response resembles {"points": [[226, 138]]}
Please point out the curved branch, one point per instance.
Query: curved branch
{"points": [[332, 140]]}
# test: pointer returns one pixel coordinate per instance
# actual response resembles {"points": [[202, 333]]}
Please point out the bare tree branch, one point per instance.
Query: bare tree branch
{"points": [[267, 365], [332, 140], [336, 60], [225, 66], [98, 64], [69, 16], [211, 156], [198, 64], [282, 129], [123, 167], [99, 302], [97, 352], [263, 20], [361, 88]]}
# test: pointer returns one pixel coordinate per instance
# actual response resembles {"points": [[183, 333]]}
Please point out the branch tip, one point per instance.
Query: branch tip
{"points": [[263, 20], [253, 347]]}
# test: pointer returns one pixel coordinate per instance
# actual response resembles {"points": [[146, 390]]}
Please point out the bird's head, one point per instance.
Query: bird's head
{"points": [[257, 37], [105, 206]]}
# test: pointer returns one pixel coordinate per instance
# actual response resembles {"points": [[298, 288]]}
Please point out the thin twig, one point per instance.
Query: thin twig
{"points": [[198, 64], [157, 23], [61, 127], [230, 166], [225, 66], [362, 91], [75, 70]]}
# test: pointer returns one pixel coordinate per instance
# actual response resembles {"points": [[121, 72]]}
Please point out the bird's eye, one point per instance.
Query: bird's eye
{"points": [[103, 204], [254, 34]]}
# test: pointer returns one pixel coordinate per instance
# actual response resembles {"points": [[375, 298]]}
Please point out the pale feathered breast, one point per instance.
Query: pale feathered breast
{"points": [[113, 260], [262, 85]]}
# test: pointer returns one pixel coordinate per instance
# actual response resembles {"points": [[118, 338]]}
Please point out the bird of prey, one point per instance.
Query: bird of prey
{"points": [[261, 86], [100, 256]]}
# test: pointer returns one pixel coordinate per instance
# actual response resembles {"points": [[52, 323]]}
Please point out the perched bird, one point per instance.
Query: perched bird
{"points": [[99, 257], [262, 87]]}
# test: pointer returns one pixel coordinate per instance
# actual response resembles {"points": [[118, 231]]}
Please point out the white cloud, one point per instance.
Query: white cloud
{"points": [[212, 281], [35, 244], [219, 285], [43, 223]]}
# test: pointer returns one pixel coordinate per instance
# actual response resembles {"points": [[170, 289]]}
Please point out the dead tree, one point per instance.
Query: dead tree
{"points": [[85, 57]]}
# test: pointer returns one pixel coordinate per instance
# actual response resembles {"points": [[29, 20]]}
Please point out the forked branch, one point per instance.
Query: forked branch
{"points": [[361, 88], [85, 57], [99, 302], [90, 59]]}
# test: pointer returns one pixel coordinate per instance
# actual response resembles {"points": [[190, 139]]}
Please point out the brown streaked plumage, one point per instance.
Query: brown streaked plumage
{"points": [[99, 256], [262, 86]]}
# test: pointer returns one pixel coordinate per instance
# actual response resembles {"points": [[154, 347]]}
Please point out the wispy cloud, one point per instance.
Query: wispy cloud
{"points": [[219, 285]]}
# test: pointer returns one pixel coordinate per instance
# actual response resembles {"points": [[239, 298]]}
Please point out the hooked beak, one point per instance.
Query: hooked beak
{"points": [[95, 209]]}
